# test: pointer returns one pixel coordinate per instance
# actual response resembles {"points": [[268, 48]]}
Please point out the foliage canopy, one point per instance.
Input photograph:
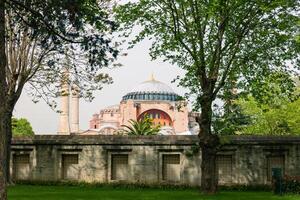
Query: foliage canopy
{"points": [[270, 120], [218, 41], [46, 38]]}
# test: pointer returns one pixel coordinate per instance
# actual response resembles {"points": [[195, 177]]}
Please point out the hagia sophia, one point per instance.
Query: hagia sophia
{"points": [[153, 98]]}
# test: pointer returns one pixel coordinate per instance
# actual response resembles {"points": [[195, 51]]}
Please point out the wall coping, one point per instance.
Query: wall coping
{"points": [[147, 140]]}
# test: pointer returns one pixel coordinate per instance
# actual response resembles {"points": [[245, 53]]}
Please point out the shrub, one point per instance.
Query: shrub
{"points": [[116, 185], [236, 187], [292, 184]]}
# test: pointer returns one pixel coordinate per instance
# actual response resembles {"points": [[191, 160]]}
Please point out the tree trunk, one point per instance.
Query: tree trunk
{"points": [[3, 105], [3, 192], [8, 144], [209, 144], [209, 178], [5, 126]]}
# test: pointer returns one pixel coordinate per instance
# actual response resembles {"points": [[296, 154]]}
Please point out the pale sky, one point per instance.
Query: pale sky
{"points": [[137, 67]]}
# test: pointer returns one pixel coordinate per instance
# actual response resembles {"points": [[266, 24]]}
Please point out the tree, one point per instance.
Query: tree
{"points": [[228, 118], [215, 42], [270, 120], [228, 121], [21, 127], [274, 90], [40, 38], [144, 126]]}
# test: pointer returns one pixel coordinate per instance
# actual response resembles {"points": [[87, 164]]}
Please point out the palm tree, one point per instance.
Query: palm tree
{"points": [[144, 126]]}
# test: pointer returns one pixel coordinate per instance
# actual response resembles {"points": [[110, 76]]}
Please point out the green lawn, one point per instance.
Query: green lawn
{"points": [[24, 192]]}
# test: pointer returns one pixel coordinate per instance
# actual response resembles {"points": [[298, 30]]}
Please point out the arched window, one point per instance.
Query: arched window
{"points": [[158, 117]]}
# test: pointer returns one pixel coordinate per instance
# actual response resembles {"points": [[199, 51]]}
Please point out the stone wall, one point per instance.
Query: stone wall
{"points": [[150, 159]]}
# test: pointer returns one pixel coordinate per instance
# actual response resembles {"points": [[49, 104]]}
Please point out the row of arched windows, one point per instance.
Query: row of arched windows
{"points": [[158, 117], [151, 96]]}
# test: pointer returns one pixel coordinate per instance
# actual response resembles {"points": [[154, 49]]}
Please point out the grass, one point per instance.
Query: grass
{"points": [[29, 192]]}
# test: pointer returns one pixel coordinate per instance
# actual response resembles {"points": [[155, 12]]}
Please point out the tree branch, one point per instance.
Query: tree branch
{"points": [[41, 18]]}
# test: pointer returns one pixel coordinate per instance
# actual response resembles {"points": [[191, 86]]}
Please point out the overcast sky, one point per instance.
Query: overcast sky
{"points": [[137, 67]]}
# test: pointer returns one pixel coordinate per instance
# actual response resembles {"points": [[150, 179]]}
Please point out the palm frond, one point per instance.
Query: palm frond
{"points": [[144, 126]]}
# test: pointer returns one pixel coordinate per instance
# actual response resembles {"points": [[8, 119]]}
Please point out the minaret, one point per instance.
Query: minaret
{"points": [[75, 109], [64, 126]]}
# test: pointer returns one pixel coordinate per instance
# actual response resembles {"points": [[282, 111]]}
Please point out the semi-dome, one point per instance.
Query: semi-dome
{"points": [[152, 90]]}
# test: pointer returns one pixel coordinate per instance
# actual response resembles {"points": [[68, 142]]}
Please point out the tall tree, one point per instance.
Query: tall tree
{"points": [[4, 126], [214, 41], [38, 39]]}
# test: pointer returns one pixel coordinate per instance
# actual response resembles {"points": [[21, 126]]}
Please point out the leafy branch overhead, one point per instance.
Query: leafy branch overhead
{"points": [[44, 38], [212, 40]]}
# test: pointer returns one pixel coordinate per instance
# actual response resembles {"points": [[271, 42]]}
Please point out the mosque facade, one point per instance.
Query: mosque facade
{"points": [[150, 98]]}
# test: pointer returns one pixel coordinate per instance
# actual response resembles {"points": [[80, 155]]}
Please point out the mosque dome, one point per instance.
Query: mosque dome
{"points": [[152, 90]]}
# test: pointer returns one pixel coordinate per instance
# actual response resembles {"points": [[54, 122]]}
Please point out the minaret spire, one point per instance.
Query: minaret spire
{"points": [[64, 125], [75, 108]]}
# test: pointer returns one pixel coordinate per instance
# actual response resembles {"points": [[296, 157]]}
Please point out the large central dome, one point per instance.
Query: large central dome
{"points": [[152, 86], [152, 90]]}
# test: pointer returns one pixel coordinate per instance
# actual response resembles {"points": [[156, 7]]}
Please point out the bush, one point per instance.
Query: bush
{"points": [[245, 187], [116, 185], [139, 185], [292, 184]]}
